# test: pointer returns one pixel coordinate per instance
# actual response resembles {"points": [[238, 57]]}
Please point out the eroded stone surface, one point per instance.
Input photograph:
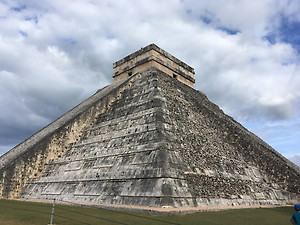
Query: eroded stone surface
{"points": [[152, 141]]}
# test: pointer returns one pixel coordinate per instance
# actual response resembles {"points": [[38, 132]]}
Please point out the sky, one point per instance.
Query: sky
{"points": [[246, 56]]}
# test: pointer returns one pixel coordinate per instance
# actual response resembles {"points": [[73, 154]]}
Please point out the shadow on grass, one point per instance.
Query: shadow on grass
{"points": [[43, 207], [118, 212], [90, 216], [65, 217]]}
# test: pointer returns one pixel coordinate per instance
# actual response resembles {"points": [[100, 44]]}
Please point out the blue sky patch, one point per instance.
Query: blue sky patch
{"points": [[229, 30], [287, 32], [271, 38], [205, 19], [18, 8], [290, 32], [70, 41], [24, 34], [32, 18]]}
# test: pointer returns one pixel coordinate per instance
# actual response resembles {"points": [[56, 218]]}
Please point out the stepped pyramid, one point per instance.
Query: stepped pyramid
{"points": [[149, 139]]}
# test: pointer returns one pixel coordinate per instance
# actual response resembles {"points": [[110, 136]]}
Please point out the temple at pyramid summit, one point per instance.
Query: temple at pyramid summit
{"points": [[149, 139]]}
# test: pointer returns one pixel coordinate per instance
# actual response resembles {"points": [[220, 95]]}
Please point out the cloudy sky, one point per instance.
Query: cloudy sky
{"points": [[246, 55]]}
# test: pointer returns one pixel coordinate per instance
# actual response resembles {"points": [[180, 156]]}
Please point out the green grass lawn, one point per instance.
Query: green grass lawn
{"points": [[25, 213]]}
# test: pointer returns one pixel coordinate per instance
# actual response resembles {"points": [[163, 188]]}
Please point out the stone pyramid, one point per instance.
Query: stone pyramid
{"points": [[149, 139]]}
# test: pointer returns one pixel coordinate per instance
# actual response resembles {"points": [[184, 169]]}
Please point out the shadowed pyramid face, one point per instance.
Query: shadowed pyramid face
{"points": [[148, 140]]}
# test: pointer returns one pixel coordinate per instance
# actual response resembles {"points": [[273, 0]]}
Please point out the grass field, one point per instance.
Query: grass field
{"points": [[25, 213]]}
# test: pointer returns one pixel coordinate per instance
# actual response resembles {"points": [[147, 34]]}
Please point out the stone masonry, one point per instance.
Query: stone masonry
{"points": [[149, 140], [153, 56]]}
